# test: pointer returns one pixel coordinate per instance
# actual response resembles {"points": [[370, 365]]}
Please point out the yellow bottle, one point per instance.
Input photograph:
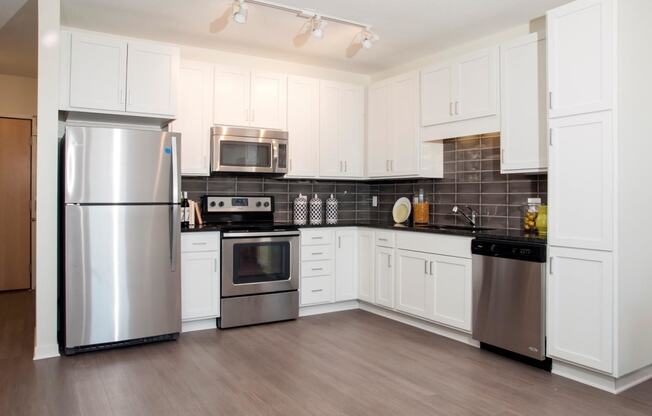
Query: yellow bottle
{"points": [[542, 220]]}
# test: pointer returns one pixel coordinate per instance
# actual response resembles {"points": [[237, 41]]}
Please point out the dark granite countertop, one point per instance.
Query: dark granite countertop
{"points": [[507, 235]]}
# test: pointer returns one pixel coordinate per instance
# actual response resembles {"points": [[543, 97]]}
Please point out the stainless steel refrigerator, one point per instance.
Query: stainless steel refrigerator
{"points": [[121, 230]]}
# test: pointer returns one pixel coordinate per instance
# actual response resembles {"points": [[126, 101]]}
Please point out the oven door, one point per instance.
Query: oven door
{"points": [[243, 154], [255, 263]]}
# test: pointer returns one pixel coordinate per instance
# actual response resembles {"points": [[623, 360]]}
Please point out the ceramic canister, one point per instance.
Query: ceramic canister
{"points": [[316, 211], [300, 210], [331, 210]]}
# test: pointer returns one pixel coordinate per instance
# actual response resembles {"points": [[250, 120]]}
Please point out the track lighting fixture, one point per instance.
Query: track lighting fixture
{"points": [[317, 26], [239, 12], [367, 38]]}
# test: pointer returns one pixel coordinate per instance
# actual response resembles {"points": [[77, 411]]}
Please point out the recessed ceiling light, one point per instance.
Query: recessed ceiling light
{"points": [[239, 12], [317, 25]]}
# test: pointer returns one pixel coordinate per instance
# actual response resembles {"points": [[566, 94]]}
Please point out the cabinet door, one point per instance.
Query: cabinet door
{"points": [[351, 140], [523, 138], [330, 98], [452, 291], [476, 85], [384, 270], [581, 182], [414, 284], [580, 57], [98, 72], [152, 78], [366, 279], [231, 96], [404, 129], [194, 116], [303, 126], [200, 285], [378, 137], [268, 100], [437, 95], [580, 307], [346, 276]]}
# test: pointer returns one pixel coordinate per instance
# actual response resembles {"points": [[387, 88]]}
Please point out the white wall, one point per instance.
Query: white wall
{"points": [[17, 96], [46, 180]]}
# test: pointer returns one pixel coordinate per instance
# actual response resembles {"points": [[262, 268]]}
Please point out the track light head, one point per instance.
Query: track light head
{"points": [[317, 26], [367, 38], [239, 12]]}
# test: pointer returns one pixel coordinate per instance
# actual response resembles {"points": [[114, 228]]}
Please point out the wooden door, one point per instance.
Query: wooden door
{"points": [[303, 126], [330, 99], [378, 125], [231, 96], [477, 85], [346, 277], [268, 100], [437, 94], [384, 270], [15, 187], [200, 285], [414, 285], [366, 286], [351, 139], [404, 129], [452, 291]]}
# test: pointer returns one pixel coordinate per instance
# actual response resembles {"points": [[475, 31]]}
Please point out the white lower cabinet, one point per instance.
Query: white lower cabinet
{"points": [[346, 276], [366, 281], [414, 282], [384, 273], [580, 307], [316, 290], [317, 273], [200, 276], [452, 295]]}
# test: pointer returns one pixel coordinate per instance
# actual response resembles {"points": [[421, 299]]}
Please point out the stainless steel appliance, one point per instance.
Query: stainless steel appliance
{"points": [[249, 150], [509, 296], [260, 261], [121, 229]]}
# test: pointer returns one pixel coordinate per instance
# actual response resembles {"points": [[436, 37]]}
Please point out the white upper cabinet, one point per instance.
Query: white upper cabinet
{"points": [[194, 117], [232, 96], [108, 74], [268, 100], [378, 136], [341, 130], [523, 138], [580, 57], [581, 182], [580, 307], [303, 126], [98, 72], [462, 89], [152, 77], [250, 98]]}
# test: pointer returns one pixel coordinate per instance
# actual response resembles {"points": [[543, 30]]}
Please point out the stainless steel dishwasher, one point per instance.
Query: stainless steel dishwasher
{"points": [[509, 296]]}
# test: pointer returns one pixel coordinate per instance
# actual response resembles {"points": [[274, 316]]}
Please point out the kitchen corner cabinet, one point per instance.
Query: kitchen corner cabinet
{"points": [[303, 126], [200, 276], [366, 281], [523, 121], [341, 130], [194, 118], [104, 73], [384, 272], [461, 89], [250, 98], [580, 307]]}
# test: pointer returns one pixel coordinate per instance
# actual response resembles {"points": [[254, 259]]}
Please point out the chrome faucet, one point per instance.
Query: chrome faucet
{"points": [[471, 219]]}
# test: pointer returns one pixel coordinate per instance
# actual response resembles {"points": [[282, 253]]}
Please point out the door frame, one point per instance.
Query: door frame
{"points": [[32, 185]]}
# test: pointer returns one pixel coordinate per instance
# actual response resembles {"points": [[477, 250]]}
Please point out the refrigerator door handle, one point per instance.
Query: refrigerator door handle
{"points": [[174, 220], [175, 170]]}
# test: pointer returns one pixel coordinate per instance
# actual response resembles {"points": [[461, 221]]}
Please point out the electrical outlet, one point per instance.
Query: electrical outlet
{"points": [[374, 201]]}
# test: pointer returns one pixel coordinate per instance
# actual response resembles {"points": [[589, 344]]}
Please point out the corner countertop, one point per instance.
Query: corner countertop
{"points": [[495, 234]]}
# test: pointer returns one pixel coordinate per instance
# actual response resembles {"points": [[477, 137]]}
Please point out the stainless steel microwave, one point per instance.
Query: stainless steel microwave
{"points": [[250, 150]]}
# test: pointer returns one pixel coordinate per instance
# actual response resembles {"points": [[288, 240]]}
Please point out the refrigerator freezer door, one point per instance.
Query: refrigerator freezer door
{"points": [[122, 277], [120, 166]]}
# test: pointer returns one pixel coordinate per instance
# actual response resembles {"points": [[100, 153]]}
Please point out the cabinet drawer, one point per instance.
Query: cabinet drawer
{"points": [[447, 245], [316, 237], [200, 241], [316, 290], [316, 268], [385, 239], [313, 253]]}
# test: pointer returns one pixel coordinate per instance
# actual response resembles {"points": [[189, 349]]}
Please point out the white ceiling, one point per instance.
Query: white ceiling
{"points": [[19, 37], [408, 29]]}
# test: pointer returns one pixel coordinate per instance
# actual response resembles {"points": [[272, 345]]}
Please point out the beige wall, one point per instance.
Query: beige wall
{"points": [[17, 96]]}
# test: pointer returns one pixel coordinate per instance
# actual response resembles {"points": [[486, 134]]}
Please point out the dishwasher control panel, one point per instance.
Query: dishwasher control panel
{"points": [[509, 249]]}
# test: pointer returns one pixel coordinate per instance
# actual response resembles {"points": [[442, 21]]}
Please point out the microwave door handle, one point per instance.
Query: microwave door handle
{"points": [[275, 156]]}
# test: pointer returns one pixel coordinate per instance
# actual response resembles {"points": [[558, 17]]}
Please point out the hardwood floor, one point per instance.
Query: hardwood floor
{"points": [[347, 363]]}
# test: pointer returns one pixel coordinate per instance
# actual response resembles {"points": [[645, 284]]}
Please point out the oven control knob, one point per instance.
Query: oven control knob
{"points": [[221, 203], [212, 204], [258, 204], [266, 204]]}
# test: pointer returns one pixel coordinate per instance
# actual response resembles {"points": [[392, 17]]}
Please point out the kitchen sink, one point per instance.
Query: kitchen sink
{"points": [[455, 227]]}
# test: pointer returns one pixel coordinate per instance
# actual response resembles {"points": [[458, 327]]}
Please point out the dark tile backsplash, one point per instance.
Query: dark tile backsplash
{"points": [[471, 177]]}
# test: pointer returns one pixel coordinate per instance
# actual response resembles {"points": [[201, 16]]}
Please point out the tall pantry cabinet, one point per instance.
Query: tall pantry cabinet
{"points": [[599, 286]]}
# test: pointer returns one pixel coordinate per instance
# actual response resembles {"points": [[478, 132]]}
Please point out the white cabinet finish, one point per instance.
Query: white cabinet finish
{"points": [[437, 94], [384, 271], [581, 182], [378, 130], [316, 290], [452, 295], [414, 283], [194, 117], [268, 100], [152, 77], [231, 96], [341, 130], [200, 276], [346, 273], [98, 72], [365, 260], [580, 307], [581, 57], [317, 267], [303, 126], [523, 138]]}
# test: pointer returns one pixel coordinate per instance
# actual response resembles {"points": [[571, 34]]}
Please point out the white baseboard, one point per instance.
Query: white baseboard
{"points": [[601, 381], [328, 308], [421, 324], [42, 352], [199, 325]]}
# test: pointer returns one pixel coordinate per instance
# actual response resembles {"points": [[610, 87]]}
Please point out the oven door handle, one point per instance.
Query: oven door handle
{"points": [[278, 234]]}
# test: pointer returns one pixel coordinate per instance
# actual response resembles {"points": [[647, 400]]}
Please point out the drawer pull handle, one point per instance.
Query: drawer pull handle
{"points": [[317, 290], [317, 238], [315, 269], [382, 239], [317, 254], [199, 244]]}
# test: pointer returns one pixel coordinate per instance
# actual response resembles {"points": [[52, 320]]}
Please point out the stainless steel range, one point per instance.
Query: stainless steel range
{"points": [[260, 261]]}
